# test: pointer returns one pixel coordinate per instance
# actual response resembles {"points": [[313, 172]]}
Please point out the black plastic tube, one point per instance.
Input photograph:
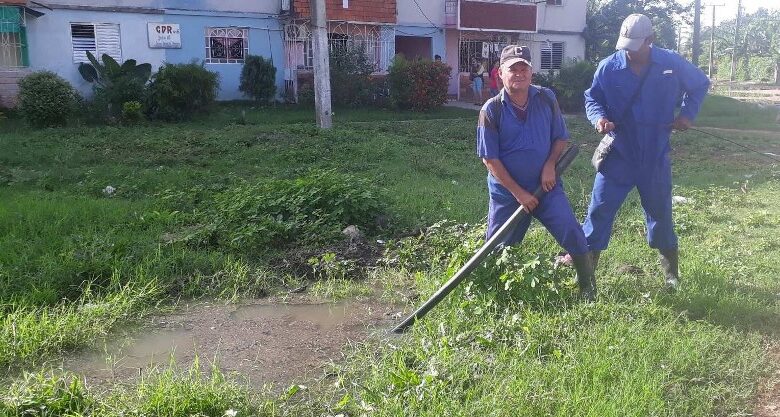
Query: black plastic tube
{"points": [[563, 162]]}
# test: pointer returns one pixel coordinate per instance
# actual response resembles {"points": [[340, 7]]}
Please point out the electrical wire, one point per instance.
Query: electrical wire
{"points": [[417, 34], [766, 154], [426, 17]]}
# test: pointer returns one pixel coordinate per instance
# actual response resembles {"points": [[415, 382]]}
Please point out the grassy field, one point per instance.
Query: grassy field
{"points": [[204, 209]]}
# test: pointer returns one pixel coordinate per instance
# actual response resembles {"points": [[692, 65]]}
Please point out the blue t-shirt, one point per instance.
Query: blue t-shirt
{"points": [[523, 146], [642, 132]]}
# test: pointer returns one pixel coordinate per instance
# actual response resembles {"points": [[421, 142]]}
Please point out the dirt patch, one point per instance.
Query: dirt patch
{"points": [[768, 399], [262, 342]]}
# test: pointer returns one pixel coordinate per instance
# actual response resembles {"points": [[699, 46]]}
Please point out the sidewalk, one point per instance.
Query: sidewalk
{"points": [[462, 105]]}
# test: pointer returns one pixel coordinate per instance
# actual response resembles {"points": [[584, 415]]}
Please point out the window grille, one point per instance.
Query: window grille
{"points": [[227, 45], [13, 38], [552, 56], [97, 38], [377, 41], [486, 46]]}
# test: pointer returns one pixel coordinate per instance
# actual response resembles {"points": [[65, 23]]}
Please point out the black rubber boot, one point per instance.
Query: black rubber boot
{"points": [[670, 264], [595, 254], [586, 280]]}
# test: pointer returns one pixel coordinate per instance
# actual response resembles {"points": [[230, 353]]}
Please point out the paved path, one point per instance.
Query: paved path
{"points": [[462, 105]]}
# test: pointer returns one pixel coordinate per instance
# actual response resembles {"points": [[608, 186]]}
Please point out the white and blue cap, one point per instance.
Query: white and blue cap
{"points": [[635, 29]]}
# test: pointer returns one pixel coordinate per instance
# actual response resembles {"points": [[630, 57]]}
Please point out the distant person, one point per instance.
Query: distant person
{"points": [[495, 80], [477, 82], [633, 99], [520, 135], [437, 58]]}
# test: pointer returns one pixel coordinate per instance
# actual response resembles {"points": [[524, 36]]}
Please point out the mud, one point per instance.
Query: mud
{"points": [[265, 343]]}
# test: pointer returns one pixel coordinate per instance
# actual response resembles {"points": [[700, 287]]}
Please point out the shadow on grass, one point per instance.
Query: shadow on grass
{"points": [[745, 308]]}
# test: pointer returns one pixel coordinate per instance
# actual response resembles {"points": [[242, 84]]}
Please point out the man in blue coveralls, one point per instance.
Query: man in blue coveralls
{"points": [[520, 135], [641, 122]]}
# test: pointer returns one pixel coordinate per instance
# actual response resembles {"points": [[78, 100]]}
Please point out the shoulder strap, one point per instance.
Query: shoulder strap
{"points": [[495, 109], [636, 93], [546, 93]]}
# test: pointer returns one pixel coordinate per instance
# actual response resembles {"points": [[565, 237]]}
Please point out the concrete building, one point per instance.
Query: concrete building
{"points": [[478, 30], [55, 35], [219, 33]]}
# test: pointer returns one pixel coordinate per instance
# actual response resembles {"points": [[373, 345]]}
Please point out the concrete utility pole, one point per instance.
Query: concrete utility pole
{"points": [[736, 43], [321, 65], [712, 41], [696, 33]]}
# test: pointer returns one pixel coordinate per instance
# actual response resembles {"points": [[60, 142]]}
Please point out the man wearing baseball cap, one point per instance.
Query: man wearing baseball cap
{"points": [[520, 135], [634, 98]]}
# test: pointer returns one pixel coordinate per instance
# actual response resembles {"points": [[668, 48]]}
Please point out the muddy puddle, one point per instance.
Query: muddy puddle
{"points": [[260, 343]]}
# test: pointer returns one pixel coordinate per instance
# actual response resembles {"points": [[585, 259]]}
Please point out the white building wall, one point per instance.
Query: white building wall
{"points": [[563, 23], [568, 17], [409, 14]]}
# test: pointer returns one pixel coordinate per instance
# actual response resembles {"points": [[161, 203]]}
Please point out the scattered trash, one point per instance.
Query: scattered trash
{"points": [[680, 200], [109, 190]]}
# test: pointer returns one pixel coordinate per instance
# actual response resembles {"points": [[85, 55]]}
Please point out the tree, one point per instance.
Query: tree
{"points": [[258, 79], [604, 18], [759, 40]]}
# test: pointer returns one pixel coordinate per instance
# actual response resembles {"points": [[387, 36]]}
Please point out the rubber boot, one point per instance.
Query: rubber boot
{"points": [[595, 254], [669, 263], [584, 265]]}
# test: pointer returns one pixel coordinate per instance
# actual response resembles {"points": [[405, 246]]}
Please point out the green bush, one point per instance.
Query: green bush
{"points": [[132, 112], [569, 84], [350, 76], [45, 99], [418, 85], [258, 78], [115, 84], [180, 91], [311, 209]]}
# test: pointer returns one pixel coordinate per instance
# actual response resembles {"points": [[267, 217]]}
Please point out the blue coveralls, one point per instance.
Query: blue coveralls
{"points": [[640, 157], [523, 147]]}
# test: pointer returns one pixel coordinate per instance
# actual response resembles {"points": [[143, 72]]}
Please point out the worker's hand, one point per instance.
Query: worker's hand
{"points": [[528, 200], [548, 178], [604, 126], [681, 123]]}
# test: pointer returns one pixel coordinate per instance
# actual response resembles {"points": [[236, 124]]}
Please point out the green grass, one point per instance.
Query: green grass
{"points": [[76, 263], [728, 113]]}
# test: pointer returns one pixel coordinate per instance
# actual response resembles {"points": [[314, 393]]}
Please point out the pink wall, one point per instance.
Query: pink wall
{"points": [[452, 39]]}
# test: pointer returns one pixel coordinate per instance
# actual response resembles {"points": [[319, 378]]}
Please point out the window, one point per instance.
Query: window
{"points": [[97, 38], [13, 38], [337, 41], [227, 45], [555, 2], [552, 56]]}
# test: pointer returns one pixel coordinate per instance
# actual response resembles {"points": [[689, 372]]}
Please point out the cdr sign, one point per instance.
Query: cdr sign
{"points": [[164, 35]]}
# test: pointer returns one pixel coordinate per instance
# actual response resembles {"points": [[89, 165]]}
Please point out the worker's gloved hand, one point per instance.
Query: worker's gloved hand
{"points": [[528, 201], [548, 176]]}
